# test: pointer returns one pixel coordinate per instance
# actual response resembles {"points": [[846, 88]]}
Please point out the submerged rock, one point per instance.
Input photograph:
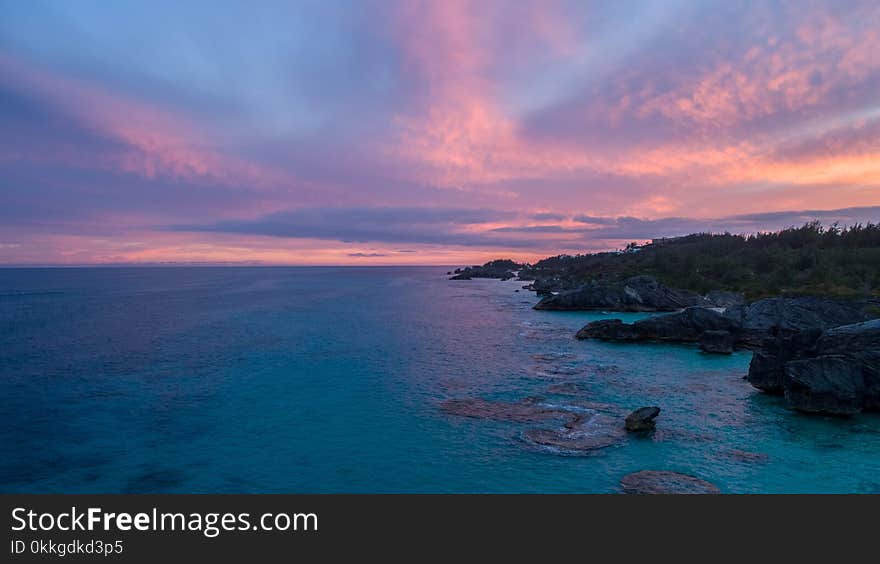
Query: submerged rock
{"points": [[586, 433], [642, 419], [639, 293], [662, 482], [747, 456], [583, 429], [717, 342], [566, 388], [529, 409]]}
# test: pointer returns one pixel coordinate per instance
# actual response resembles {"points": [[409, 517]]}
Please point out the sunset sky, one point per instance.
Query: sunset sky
{"points": [[444, 132]]}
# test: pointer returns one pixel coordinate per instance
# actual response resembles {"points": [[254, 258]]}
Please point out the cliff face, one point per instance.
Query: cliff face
{"points": [[749, 325], [639, 293], [820, 354], [835, 371]]}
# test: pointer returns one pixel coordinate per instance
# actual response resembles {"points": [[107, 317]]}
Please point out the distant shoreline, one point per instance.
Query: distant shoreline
{"points": [[218, 265], [808, 260]]}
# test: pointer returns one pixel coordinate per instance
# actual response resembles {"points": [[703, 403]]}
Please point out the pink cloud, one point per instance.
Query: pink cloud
{"points": [[157, 142], [461, 136], [765, 124], [776, 75]]}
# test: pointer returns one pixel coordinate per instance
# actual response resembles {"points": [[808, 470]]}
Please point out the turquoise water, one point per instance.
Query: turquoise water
{"points": [[331, 379]]}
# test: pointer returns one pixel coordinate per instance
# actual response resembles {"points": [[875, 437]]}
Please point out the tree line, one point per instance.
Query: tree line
{"points": [[811, 259]]}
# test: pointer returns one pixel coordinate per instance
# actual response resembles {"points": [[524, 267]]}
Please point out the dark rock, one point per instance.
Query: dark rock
{"points": [[784, 315], [767, 368], [717, 342], [721, 298], [749, 326], [836, 371], [661, 482], [606, 330], [548, 286], [685, 326], [855, 339], [503, 269], [827, 384], [860, 344], [808, 349], [639, 293], [642, 419]]}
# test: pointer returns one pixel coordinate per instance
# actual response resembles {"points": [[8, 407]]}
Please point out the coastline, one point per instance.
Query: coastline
{"points": [[820, 353], [143, 400]]}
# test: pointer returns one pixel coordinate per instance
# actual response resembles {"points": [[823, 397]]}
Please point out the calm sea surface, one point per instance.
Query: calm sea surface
{"points": [[331, 380]]}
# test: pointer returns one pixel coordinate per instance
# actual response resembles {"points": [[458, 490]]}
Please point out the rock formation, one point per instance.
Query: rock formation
{"points": [[835, 371], [717, 342], [639, 293], [749, 326], [502, 269], [642, 419]]}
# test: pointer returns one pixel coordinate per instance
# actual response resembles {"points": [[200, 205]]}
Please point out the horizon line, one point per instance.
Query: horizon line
{"points": [[216, 265]]}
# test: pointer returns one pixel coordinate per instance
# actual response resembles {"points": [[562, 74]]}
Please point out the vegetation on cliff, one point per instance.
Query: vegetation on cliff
{"points": [[812, 259]]}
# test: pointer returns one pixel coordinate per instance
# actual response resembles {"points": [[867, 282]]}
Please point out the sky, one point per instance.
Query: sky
{"points": [[447, 132]]}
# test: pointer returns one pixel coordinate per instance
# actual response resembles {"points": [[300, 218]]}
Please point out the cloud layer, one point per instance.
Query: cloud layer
{"points": [[330, 134], [476, 227]]}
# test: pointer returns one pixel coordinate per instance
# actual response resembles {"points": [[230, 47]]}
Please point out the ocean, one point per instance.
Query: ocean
{"points": [[312, 380]]}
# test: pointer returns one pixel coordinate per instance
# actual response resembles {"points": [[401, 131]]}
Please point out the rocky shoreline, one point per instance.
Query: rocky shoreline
{"points": [[821, 354], [835, 371], [635, 294], [502, 269]]}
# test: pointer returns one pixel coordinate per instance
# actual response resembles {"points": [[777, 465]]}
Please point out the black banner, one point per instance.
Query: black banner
{"points": [[270, 528]]}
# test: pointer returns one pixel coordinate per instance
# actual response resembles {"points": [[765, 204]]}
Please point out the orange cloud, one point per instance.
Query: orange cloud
{"points": [[461, 136]]}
